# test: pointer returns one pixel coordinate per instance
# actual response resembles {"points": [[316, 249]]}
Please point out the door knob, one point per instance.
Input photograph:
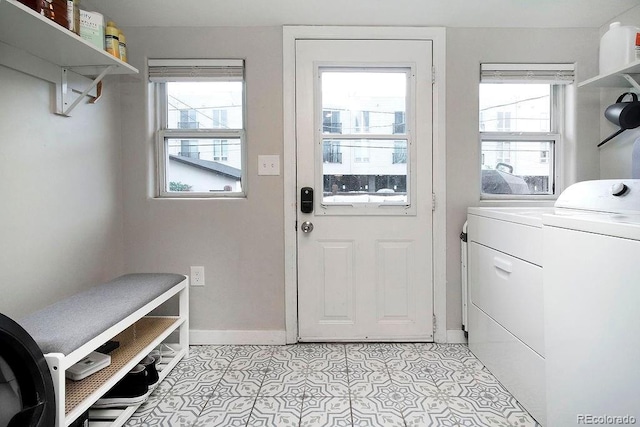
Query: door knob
{"points": [[306, 227]]}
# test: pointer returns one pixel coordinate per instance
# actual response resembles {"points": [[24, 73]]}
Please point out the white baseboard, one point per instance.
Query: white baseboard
{"points": [[456, 336], [214, 337], [208, 337]]}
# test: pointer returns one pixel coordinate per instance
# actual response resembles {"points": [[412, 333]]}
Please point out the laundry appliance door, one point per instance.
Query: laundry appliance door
{"points": [[27, 397]]}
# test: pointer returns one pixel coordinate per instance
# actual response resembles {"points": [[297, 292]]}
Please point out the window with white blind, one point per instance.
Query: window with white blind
{"points": [[521, 124], [201, 119]]}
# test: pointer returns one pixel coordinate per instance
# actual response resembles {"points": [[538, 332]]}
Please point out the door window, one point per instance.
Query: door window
{"points": [[364, 136]]}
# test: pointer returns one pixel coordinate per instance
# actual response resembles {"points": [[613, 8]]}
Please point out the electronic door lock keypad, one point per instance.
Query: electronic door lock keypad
{"points": [[306, 200]]}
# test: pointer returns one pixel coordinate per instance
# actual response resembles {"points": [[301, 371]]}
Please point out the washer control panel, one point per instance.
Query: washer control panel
{"points": [[605, 195]]}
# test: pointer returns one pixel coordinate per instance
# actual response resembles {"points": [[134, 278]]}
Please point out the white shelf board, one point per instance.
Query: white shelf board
{"points": [[614, 78], [23, 28]]}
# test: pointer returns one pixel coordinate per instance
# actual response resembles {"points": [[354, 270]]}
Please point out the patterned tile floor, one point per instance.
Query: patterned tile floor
{"points": [[332, 385]]}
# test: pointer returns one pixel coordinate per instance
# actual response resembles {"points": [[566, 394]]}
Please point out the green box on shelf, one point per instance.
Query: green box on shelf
{"points": [[92, 28]]}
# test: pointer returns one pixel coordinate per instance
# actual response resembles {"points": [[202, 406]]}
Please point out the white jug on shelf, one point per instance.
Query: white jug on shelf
{"points": [[617, 47]]}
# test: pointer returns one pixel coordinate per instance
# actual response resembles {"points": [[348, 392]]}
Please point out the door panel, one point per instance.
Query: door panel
{"points": [[364, 143], [395, 277], [336, 298]]}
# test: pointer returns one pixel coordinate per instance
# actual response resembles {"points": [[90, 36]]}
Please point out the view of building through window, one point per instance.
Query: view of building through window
{"points": [[364, 136], [517, 138], [211, 159]]}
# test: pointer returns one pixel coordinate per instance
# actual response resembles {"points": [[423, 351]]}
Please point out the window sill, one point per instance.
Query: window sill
{"points": [[217, 197], [530, 201]]}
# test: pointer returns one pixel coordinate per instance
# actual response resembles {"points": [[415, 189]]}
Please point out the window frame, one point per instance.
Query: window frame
{"points": [[163, 134], [408, 207], [555, 136]]}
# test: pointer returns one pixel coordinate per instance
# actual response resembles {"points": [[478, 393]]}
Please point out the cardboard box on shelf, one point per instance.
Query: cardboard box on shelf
{"points": [[92, 28]]}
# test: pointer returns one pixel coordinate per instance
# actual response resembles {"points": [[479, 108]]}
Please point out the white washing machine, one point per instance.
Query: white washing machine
{"points": [[591, 279]]}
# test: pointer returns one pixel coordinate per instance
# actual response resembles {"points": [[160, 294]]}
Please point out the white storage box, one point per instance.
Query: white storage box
{"points": [[89, 365]]}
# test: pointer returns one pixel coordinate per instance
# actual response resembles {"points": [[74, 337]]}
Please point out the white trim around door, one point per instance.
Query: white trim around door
{"points": [[438, 37]]}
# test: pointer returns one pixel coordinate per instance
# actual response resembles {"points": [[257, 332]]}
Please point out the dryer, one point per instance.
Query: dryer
{"points": [[505, 302]]}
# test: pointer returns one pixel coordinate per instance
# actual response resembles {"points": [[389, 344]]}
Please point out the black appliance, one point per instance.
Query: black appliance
{"points": [[27, 396]]}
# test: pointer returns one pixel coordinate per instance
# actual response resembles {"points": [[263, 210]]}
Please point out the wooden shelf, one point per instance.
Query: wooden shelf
{"points": [[146, 332], [23, 28], [615, 78]]}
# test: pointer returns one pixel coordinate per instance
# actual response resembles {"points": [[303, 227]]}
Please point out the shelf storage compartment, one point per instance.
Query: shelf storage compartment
{"points": [[37, 46], [135, 343]]}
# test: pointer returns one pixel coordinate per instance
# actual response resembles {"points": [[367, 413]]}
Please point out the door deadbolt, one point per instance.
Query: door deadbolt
{"points": [[306, 200], [306, 227]]}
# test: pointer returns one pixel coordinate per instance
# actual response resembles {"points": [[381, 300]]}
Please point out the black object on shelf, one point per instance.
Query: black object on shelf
{"points": [[108, 347]]}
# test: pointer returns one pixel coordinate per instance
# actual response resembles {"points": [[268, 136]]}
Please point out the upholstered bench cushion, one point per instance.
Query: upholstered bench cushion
{"points": [[68, 324]]}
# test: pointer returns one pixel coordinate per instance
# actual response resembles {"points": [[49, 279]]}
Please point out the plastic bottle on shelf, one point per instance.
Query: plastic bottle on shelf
{"points": [[73, 15], [617, 47], [111, 41], [123, 46], [637, 46]]}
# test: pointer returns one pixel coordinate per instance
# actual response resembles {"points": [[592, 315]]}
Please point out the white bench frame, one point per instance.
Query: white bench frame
{"points": [[59, 363]]}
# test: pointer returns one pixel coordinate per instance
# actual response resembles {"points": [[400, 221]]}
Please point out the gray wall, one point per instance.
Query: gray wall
{"points": [[78, 192], [61, 192], [239, 242], [466, 49], [615, 156]]}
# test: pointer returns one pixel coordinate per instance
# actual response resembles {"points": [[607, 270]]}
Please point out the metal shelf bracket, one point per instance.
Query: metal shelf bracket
{"points": [[66, 99], [632, 82], [70, 86]]}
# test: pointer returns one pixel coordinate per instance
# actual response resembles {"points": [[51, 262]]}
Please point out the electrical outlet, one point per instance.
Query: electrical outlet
{"points": [[197, 276]]}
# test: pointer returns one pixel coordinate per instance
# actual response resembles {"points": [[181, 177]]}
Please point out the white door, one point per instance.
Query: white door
{"points": [[364, 146]]}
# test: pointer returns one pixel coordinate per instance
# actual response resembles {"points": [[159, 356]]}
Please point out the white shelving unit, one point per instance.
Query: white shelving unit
{"points": [[37, 46], [626, 76]]}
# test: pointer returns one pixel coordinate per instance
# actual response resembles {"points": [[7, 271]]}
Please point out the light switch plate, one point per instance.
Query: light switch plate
{"points": [[269, 165]]}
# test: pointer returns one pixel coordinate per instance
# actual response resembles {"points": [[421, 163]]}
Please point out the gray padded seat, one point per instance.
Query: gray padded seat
{"points": [[66, 325]]}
